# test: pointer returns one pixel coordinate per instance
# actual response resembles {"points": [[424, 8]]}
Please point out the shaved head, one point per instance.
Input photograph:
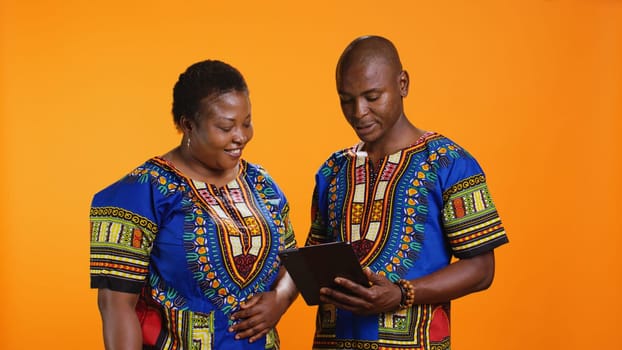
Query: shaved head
{"points": [[369, 49], [371, 85]]}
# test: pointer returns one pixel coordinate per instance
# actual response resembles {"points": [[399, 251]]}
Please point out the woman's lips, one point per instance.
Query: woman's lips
{"points": [[234, 152]]}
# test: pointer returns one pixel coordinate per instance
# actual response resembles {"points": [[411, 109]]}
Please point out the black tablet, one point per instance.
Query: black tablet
{"points": [[316, 266]]}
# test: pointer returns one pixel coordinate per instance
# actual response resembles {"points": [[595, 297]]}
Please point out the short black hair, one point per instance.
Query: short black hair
{"points": [[200, 80]]}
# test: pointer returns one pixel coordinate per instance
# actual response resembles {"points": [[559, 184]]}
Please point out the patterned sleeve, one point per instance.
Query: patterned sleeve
{"points": [[288, 237], [123, 228], [317, 232], [470, 219], [320, 231]]}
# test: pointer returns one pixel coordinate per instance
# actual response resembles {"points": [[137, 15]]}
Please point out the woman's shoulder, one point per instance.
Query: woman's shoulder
{"points": [[257, 173], [155, 174], [260, 181]]}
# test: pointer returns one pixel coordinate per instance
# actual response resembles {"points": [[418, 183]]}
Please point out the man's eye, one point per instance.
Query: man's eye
{"points": [[344, 101], [372, 98]]}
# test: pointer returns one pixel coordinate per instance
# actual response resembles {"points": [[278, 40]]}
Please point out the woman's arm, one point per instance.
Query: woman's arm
{"points": [[121, 327]]}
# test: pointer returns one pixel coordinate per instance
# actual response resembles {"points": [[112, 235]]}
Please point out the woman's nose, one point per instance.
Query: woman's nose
{"points": [[239, 136]]}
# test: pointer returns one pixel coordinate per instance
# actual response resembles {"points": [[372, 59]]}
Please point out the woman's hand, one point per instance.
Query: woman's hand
{"points": [[262, 312], [381, 296], [257, 316]]}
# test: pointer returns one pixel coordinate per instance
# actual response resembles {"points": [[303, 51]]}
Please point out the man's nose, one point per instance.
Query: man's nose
{"points": [[360, 108]]}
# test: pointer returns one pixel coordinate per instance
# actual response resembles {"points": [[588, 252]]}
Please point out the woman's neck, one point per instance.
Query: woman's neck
{"points": [[195, 170]]}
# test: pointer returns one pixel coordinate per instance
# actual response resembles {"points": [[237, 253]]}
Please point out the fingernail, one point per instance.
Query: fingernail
{"points": [[231, 329]]}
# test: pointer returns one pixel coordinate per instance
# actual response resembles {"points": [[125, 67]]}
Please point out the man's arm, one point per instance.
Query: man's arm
{"points": [[121, 327], [460, 278], [463, 277]]}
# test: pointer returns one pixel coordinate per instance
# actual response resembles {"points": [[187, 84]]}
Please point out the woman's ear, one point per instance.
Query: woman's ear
{"points": [[185, 124], [404, 83]]}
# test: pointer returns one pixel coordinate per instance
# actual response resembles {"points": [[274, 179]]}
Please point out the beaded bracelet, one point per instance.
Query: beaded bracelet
{"points": [[408, 293]]}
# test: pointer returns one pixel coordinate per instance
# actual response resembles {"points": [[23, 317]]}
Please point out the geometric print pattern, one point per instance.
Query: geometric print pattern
{"points": [[119, 240], [470, 217], [231, 237], [384, 214]]}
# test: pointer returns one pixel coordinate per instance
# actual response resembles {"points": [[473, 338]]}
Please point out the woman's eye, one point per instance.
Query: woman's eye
{"points": [[226, 129]]}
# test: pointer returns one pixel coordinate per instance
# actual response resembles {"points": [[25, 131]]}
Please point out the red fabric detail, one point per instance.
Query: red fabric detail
{"points": [[439, 328], [361, 248], [459, 207], [244, 264], [150, 322]]}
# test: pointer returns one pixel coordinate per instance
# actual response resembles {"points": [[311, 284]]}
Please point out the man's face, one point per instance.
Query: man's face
{"points": [[371, 94]]}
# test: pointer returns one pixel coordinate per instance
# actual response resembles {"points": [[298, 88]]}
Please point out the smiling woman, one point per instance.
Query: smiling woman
{"points": [[214, 140], [184, 248]]}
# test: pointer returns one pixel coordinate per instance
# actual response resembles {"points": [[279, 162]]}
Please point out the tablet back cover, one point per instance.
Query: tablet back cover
{"points": [[314, 267]]}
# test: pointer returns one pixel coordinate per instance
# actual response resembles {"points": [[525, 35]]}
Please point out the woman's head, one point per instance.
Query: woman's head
{"points": [[212, 108], [209, 78]]}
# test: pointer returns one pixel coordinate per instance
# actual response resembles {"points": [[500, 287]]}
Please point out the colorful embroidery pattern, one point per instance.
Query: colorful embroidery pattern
{"points": [[390, 217], [227, 240], [470, 216], [239, 233], [130, 233]]}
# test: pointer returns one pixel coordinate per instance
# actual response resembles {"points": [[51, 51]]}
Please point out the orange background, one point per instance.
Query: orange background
{"points": [[532, 88]]}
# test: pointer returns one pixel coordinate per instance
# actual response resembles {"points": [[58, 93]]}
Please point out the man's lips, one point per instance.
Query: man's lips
{"points": [[364, 128]]}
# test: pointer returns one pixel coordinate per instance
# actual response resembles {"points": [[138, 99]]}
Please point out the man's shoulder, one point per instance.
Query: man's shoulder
{"points": [[440, 146], [339, 157]]}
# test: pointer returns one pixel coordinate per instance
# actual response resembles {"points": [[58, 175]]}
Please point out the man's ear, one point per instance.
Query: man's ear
{"points": [[404, 83]]}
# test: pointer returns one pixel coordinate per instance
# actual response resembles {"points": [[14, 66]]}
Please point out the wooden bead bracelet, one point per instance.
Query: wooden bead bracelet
{"points": [[408, 293]]}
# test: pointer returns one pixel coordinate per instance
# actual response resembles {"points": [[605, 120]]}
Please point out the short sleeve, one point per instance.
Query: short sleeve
{"points": [[322, 228], [317, 232], [470, 219], [289, 238], [123, 228]]}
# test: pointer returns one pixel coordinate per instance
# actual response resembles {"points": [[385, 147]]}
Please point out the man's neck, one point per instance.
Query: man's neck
{"points": [[402, 135]]}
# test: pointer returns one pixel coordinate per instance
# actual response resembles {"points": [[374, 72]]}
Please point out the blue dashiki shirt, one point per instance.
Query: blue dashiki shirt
{"points": [[193, 251], [404, 219]]}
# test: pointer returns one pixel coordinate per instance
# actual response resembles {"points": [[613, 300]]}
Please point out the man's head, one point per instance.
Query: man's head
{"points": [[371, 85]]}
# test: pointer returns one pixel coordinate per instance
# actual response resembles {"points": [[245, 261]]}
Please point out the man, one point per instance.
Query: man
{"points": [[407, 200]]}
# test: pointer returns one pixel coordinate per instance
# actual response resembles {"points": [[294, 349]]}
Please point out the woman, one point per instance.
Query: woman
{"points": [[184, 248]]}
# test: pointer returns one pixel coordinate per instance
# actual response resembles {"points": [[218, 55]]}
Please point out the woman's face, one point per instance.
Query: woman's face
{"points": [[222, 130]]}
